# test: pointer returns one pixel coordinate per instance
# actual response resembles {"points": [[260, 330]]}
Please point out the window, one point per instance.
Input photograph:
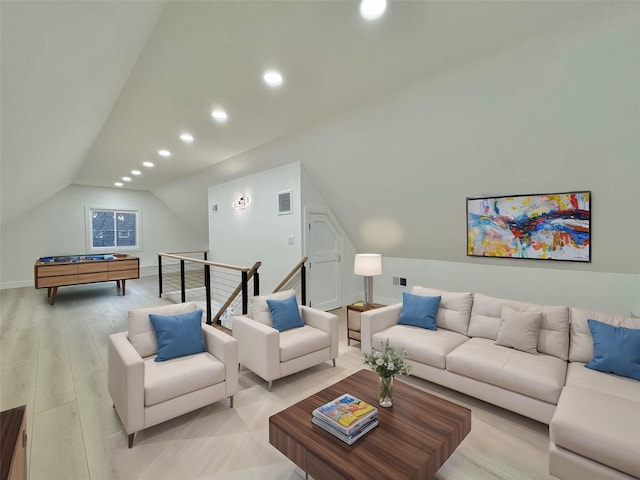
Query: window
{"points": [[111, 229]]}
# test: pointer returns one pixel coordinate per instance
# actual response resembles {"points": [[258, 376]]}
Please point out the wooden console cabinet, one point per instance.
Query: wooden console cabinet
{"points": [[13, 444], [84, 269]]}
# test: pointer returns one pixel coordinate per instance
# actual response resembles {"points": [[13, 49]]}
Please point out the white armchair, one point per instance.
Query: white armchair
{"points": [[146, 392], [274, 354]]}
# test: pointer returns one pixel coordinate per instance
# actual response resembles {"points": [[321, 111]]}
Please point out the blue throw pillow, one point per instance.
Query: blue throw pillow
{"points": [[178, 335], [615, 349], [419, 311], [285, 314]]}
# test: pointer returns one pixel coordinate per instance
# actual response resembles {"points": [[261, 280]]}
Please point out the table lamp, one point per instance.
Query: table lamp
{"points": [[368, 265]]}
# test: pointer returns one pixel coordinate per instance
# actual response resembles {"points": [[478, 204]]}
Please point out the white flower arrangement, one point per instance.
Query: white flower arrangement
{"points": [[387, 362]]}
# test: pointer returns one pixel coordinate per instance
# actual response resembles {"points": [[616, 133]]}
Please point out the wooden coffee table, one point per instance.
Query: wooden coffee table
{"points": [[415, 436]]}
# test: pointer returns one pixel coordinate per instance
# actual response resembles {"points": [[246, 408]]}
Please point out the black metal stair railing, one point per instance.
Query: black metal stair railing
{"points": [[223, 288]]}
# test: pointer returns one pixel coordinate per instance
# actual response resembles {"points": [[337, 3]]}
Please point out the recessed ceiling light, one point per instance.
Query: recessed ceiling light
{"points": [[219, 115], [272, 78], [164, 153], [186, 137], [118, 184], [372, 9], [147, 164], [136, 172], [126, 179]]}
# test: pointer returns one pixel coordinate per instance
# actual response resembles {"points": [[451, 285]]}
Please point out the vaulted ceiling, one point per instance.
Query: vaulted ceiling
{"points": [[91, 90]]}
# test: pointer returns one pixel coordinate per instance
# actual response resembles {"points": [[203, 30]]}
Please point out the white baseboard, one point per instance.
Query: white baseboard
{"points": [[20, 284], [148, 271]]}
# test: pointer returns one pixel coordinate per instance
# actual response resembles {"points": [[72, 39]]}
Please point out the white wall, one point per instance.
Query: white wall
{"points": [[597, 291], [257, 233], [312, 198], [556, 112], [57, 227]]}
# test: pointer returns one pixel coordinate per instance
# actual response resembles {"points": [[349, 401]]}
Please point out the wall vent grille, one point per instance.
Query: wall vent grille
{"points": [[285, 206]]}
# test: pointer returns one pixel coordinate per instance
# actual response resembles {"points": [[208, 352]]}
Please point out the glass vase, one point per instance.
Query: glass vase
{"points": [[385, 392]]}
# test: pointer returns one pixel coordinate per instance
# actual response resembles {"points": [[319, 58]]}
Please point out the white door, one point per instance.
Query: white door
{"points": [[324, 249]]}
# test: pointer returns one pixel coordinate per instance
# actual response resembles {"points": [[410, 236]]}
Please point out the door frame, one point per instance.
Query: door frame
{"points": [[334, 222]]}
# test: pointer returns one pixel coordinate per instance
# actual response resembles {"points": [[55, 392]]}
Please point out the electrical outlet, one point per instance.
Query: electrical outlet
{"points": [[399, 281]]}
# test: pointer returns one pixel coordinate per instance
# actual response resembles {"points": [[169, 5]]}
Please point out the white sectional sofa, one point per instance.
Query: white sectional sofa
{"points": [[594, 417]]}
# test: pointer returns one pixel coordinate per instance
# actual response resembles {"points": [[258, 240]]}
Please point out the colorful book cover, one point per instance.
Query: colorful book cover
{"points": [[346, 413]]}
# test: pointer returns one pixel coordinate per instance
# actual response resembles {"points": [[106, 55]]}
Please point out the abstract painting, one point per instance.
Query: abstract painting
{"points": [[553, 226]]}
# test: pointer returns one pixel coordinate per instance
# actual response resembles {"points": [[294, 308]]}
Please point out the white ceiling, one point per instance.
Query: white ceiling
{"points": [[92, 89]]}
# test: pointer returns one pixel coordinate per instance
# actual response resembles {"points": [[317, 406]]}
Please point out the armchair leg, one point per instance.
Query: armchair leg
{"points": [[231, 401], [334, 363], [270, 383], [131, 435]]}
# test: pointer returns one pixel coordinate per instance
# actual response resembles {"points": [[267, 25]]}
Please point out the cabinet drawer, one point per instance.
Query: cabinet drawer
{"points": [[123, 275], [92, 267], [93, 277], [353, 320], [123, 265], [57, 281], [354, 335], [55, 270]]}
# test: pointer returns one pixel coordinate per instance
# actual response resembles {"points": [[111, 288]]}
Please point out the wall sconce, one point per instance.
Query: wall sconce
{"points": [[368, 265], [242, 202]]}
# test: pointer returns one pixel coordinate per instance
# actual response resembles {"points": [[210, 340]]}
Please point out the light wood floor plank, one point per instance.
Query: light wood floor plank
{"points": [[57, 445]]}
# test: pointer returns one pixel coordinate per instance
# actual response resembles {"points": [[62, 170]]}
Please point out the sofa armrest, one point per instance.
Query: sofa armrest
{"points": [[325, 321], [258, 347], [374, 321], [225, 348], [126, 381]]}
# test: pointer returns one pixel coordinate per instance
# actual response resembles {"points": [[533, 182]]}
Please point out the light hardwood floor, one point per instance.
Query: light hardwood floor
{"points": [[53, 359]]}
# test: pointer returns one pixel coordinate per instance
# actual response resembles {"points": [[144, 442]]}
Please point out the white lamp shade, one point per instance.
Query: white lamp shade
{"points": [[368, 264]]}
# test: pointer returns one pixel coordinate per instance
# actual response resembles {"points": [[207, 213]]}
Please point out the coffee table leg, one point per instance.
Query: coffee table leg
{"points": [[124, 283]]}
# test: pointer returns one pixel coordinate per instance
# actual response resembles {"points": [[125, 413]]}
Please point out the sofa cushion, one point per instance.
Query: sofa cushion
{"points": [[486, 317], [419, 311], [580, 376], [454, 309], [260, 310], [425, 346], [285, 313], [581, 349], [598, 426], [141, 333], [297, 342], [615, 349], [539, 376], [179, 376], [519, 330], [553, 336], [178, 335]]}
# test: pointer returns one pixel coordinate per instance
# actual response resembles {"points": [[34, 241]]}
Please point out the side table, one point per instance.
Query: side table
{"points": [[353, 319], [13, 444]]}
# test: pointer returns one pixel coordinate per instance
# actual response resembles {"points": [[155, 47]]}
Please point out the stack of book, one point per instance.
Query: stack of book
{"points": [[346, 417]]}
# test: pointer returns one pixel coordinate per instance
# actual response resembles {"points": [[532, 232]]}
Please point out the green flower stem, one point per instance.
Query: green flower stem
{"points": [[386, 391]]}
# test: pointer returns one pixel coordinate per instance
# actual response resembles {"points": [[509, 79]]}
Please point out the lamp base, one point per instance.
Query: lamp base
{"points": [[368, 291]]}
